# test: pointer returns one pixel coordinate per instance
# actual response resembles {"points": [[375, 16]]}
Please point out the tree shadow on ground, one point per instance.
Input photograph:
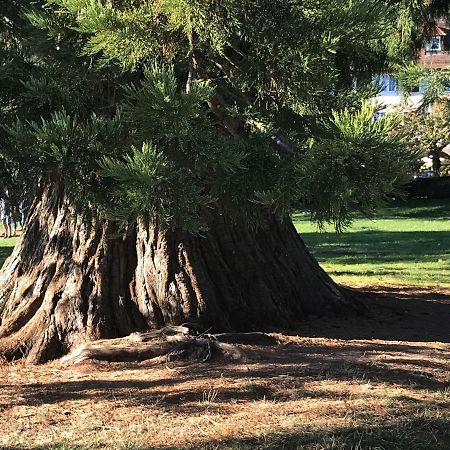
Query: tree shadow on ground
{"points": [[393, 314], [378, 347], [378, 247], [269, 374], [301, 370], [405, 433], [434, 209], [437, 209]]}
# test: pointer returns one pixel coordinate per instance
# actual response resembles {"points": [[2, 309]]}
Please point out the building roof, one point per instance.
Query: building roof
{"points": [[441, 31], [438, 59], [446, 151]]}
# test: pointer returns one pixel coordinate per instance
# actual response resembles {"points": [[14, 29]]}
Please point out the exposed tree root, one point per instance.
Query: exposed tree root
{"points": [[174, 342]]}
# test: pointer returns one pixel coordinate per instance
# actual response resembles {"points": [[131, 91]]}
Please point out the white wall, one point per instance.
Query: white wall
{"points": [[396, 102], [391, 98]]}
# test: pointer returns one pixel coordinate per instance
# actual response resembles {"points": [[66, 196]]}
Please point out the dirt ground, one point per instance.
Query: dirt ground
{"points": [[374, 381]]}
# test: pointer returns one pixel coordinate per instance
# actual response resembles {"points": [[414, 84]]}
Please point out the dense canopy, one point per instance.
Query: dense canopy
{"points": [[174, 108]]}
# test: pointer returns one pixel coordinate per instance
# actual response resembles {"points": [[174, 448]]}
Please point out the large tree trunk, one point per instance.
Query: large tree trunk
{"points": [[64, 283], [67, 283]]}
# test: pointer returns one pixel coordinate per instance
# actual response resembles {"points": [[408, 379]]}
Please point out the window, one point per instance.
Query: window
{"points": [[392, 85], [379, 115], [435, 44], [388, 84]]}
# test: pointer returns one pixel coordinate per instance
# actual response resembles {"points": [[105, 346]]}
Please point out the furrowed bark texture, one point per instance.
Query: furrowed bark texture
{"points": [[66, 284]]}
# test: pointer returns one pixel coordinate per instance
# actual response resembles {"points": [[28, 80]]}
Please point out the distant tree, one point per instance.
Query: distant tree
{"points": [[429, 133], [169, 142]]}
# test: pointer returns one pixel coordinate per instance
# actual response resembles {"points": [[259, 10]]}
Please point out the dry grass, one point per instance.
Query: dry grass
{"points": [[329, 392]]}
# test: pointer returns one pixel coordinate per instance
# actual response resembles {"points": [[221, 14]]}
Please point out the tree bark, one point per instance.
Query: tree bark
{"points": [[67, 283], [436, 157]]}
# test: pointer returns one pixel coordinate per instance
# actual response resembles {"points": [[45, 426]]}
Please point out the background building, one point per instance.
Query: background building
{"points": [[435, 54]]}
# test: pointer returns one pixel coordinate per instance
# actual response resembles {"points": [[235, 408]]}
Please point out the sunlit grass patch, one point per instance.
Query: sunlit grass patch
{"points": [[405, 244]]}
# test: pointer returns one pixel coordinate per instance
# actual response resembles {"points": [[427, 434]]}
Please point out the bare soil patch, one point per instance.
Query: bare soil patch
{"points": [[376, 381]]}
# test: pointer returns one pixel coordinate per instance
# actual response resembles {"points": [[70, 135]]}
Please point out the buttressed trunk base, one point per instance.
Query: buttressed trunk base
{"points": [[66, 284]]}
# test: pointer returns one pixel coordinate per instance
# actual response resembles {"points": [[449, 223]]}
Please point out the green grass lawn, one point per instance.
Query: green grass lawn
{"points": [[406, 244]]}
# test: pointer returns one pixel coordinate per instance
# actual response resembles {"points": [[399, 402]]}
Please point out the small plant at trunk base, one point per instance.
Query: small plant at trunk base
{"points": [[168, 142]]}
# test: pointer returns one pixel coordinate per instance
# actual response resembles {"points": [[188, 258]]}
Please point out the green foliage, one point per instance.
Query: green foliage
{"points": [[182, 159], [156, 108], [426, 130], [70, 148], [412, 75], [415, 22], [174, 109], [352, 168], [150, 185]]}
